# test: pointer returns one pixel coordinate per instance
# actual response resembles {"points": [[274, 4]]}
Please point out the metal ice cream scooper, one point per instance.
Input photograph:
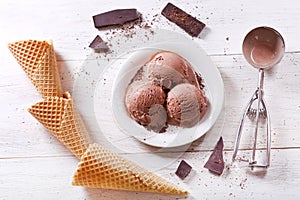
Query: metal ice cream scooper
{"points": [[263, 47]]}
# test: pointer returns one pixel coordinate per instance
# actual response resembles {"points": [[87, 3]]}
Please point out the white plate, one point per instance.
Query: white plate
{"points": [[93, 92], [174, 136]]}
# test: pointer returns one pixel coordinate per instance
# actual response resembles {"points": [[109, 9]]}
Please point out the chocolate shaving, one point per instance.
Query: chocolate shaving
{"points": [[98, 44], [215, 162], [188, 23], [183, 170], [115, 17]]}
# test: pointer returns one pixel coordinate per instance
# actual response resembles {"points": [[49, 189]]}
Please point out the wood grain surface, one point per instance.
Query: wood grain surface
{"points": [[34, 165]]}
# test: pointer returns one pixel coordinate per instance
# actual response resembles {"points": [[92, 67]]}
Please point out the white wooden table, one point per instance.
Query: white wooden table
{"points": [[34, 165]]}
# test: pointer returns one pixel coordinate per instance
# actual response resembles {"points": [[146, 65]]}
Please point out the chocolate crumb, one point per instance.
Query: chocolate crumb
{"points": [[215, 162], [242, 184], [183, 170]]}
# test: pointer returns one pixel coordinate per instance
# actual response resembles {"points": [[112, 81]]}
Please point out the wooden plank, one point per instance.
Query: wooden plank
{"points": [[227, 23], [50, 178]]}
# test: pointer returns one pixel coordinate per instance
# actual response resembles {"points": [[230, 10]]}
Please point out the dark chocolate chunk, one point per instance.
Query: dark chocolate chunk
{"points": [[115, 17], [188, 23], [215, 162], [98, 44], [183, 170]]}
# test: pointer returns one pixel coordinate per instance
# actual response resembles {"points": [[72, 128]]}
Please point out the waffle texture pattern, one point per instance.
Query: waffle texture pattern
{"points": [[37, 59], [101, 168]]}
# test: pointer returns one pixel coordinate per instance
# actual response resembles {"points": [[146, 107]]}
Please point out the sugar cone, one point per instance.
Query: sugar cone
{"points": [[101, 168], [60, 117], [37, 59]]}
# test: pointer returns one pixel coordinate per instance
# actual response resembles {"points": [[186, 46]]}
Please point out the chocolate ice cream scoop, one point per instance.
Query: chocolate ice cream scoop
{"points": [[186, 105], [144, 103], [167, 69]]}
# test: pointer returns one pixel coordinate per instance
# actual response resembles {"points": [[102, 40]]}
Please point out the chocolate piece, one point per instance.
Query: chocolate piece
{"points": [[215, 162], [115, 17], [183, 170], [185, 21], [98, 44]]}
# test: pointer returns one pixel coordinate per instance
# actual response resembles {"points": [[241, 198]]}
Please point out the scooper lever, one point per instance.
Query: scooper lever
{"points": [[255, 113]]}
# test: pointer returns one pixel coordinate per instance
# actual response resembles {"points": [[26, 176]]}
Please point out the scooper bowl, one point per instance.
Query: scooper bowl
{"points": [[263, 47]]}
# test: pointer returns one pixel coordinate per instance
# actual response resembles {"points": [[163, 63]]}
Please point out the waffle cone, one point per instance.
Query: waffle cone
{"points": [[37, 59], [101, 168], [60, 117]]}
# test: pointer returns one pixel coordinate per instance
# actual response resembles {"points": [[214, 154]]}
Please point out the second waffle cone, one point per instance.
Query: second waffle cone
{"points": [[60, 117]]}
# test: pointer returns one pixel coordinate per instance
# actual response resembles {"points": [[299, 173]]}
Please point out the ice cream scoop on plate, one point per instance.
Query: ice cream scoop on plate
{"points": [[186, 105], [167, 69], [144, 102]]}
